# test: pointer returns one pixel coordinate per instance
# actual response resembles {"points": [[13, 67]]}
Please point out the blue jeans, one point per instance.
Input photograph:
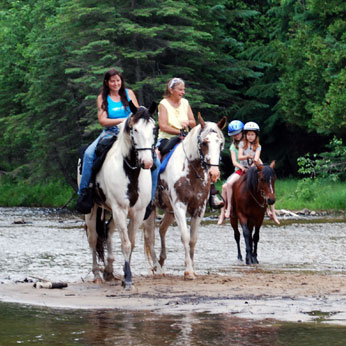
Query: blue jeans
{"points": [[89, 157], [155, 176]]}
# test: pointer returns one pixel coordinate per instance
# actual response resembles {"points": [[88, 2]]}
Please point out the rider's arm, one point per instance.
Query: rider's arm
{"points": [[241, 155], [257, 156], [235, 162], [132, 97], [191, 121]]}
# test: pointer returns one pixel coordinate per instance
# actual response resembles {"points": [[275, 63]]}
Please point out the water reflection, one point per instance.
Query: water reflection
{"points": [[32, 325]]}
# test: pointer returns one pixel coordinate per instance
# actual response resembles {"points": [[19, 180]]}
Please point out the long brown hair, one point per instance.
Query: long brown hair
{"points": [[105, 89], [235, 142], [246, 142]]}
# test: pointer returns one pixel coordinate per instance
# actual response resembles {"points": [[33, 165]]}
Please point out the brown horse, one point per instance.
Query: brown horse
{"points": [[252, 193]]}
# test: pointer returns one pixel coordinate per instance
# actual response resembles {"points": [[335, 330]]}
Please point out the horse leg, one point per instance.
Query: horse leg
{"points": [[255, 241], [120, 218], [149, 243], [234, 223], [108, 272], [248, 242], [195, 222], [166, 221], [90, 225], [180, 217]]}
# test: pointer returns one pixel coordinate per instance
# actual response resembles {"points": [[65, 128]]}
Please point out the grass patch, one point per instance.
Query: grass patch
{"points": [[291, 194], [297, 194], [53, 194]]}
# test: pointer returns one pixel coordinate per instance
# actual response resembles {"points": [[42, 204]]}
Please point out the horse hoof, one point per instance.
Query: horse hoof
{"points": [[189, 276], [127, 285], [108, 276], [98, 281], [157, 270]]}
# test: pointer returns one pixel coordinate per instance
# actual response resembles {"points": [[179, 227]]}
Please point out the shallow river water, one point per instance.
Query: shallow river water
{"points": [[53, 246]]}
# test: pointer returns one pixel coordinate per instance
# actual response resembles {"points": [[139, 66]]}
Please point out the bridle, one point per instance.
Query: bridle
{"points": [[205, 165], [264, 204], [136, 150]]}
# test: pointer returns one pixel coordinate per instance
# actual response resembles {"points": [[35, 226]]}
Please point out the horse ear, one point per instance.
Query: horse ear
{"points": [[272, 165], [222, 123], [152, 108], [258, 165], [133, 108], [200, 120]]}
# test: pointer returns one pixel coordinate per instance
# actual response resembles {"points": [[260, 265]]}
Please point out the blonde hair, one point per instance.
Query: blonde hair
{"points": [[236, 142]]}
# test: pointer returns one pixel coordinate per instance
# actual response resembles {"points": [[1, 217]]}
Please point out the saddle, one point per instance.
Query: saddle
{"points": [[86, 200], [101, 151]]}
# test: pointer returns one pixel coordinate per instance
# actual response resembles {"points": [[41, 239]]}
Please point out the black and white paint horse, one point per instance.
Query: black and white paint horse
{"points": [[123, 187]]}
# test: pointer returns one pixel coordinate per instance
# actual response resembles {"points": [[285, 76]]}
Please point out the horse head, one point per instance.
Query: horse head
{"points": [[211, 142], [266, 182], [142, 129]]}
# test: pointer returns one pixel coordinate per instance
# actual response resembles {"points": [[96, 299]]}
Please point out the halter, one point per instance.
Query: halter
{"points": [[136, 150], [204, 164], [262, 205]]}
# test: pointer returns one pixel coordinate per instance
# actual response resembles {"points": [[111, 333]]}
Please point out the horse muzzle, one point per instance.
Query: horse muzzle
{"points": [[270, 201], [214, 173], [147, 164]]}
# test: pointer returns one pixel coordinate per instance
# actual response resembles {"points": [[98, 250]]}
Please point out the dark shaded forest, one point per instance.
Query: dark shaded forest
{"points": [[279, 63]]}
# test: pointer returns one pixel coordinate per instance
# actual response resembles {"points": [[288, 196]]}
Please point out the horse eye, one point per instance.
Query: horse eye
{"points": [[205, 144]]}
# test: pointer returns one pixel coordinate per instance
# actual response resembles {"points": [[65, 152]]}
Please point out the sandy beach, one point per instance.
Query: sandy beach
{"points": [[250, 293]]}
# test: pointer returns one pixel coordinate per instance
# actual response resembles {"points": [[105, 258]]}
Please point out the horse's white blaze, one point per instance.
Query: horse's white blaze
{"points": [[143, 137], [214, 143]]}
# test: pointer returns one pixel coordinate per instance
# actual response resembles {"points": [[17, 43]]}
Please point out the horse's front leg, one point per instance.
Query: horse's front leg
{"points": [[120, 219], [248, 242], [195, 223], [255, 242], [234, 223], [180, 217]]}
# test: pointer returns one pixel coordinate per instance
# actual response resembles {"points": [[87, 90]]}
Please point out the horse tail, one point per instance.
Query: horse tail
{"points": [[102, 234]]}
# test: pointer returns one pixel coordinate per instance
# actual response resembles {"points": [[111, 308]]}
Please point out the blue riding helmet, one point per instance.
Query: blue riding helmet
{"points": [[235, 127]]}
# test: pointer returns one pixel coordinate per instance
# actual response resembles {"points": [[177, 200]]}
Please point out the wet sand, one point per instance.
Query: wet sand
{"points": [[249, 293]]}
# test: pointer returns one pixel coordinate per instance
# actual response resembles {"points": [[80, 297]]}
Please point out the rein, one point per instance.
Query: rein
{"points": [[197, 175], [136, 151], [205, 165], [262, 205]]}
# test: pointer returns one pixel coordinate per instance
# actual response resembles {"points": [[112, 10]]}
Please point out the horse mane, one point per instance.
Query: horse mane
{"points": [[251, 176]]}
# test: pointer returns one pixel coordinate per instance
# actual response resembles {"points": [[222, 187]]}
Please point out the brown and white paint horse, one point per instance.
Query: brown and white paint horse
{"points": [[123, 186], [184, 188]]}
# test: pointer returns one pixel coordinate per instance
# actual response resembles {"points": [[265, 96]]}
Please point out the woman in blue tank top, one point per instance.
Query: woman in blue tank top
{"points": [[112, 109]]}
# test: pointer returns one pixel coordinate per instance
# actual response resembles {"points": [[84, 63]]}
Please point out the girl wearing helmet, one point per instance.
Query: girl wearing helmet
{"points": [[235, 130], [250, 151]]}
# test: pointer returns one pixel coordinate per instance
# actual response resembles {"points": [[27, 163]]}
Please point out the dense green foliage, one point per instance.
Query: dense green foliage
{"points": [[280, 63]]}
